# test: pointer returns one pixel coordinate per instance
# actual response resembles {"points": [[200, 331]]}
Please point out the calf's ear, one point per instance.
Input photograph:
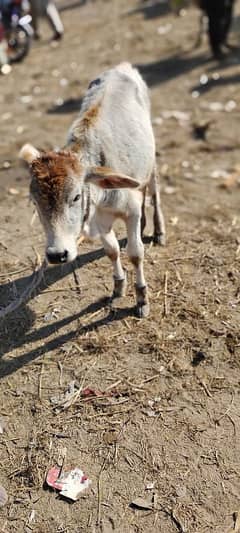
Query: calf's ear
{"points": [[106, 178], [28, 153]]}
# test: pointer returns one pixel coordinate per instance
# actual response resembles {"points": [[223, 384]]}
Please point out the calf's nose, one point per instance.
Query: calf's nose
{"points": [[57, 257]]}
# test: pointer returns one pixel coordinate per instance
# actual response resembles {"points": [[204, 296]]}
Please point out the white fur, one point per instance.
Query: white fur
{"points": [[28, 153]]}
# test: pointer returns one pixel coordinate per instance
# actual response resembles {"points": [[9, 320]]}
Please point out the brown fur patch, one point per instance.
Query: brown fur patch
{"points": [[112, 255], [83, 124], [89, 118], [49, 176], [135, 261]]}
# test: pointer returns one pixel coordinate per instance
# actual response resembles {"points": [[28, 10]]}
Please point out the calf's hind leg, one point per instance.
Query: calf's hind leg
{"points": [[135, 251], [159, 233]]}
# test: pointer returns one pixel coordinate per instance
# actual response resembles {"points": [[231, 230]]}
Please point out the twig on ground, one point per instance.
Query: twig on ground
{"points": [[100, 488], [60, 366], [77, 281], [166, 307], [217, 420], [40, 382], [202, 382], [14, 272]]}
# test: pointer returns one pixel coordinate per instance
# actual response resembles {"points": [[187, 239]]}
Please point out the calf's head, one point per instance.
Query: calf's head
{"points": [[61, 192]]}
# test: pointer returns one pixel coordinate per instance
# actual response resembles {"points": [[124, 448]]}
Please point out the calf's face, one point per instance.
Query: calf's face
{"points": [[60, 190]]}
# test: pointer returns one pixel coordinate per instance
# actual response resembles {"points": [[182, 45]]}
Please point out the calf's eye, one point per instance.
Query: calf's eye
{"points": [[77, 197]]}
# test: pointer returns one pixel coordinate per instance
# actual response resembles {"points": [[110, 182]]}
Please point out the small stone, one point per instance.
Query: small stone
{"points": [[195, 94], [6, 69], [26, 98], [142, 503], [13, 191], [230, 106], [64, 82], [6, 164], [203, 79]]}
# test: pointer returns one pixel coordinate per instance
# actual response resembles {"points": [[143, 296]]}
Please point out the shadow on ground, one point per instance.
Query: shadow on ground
{"points": [[212, 84], [151, 9], [15, 327], [68, 106], [170, 67]]}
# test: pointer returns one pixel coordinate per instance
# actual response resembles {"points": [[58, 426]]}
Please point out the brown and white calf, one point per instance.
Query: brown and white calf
{"points": [[102, 174]]}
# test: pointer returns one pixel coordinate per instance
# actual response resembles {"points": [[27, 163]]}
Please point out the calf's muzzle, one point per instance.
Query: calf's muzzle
{"points": [[57, 257]]}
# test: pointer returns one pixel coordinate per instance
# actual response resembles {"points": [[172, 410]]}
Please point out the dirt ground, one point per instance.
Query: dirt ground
{"points": [[168, 413]]}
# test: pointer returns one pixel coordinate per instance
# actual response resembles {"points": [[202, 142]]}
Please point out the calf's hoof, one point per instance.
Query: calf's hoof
{"points": [[142, 307], [119, 290], [142, 310], [160, 239], [120, 286]]}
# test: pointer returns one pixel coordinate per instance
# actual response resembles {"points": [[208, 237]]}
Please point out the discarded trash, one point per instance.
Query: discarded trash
{"points": [[92, 392], [73, 392], [142, 503], [70, 484], [51, 315], [3, 496], [150, 486]]}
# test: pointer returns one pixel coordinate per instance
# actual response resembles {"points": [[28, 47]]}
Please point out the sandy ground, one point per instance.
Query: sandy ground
{"points": [[168, 413]]}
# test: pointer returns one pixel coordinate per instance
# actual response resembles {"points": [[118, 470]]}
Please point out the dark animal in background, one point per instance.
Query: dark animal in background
{"points": [[219, 14]]}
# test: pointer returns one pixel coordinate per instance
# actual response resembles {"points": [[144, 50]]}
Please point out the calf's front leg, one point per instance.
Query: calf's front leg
{"points": [[112, 249]]}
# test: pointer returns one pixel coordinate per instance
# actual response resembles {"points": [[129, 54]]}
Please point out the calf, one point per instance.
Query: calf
{"points": [[101, 174]]}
